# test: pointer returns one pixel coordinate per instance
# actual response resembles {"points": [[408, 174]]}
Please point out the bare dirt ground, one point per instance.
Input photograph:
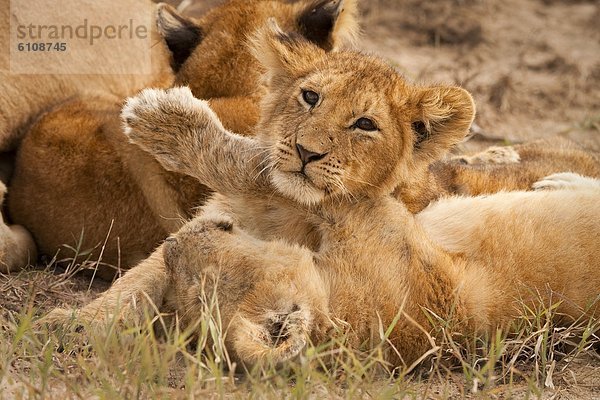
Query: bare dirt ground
{"points": [[533, 67]]}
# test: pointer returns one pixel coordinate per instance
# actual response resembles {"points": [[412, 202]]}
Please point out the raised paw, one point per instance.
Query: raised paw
{"points": [[566, 180], [168, 124], [492, 155]]}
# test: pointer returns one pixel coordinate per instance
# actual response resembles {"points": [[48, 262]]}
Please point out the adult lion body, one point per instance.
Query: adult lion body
{"points": [[25, 96], [120, 201], [376, 263]]}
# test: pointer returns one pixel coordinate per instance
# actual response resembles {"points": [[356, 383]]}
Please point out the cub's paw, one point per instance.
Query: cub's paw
{"points": [[17, 248], [96, 317], [168, 123], [65, 326], [566, 180], [271, 336], [76, 329], [492, 155], [163, 109]]}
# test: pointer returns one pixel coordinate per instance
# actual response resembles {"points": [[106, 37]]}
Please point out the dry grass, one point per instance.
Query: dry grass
{"points": [[157, 360]]}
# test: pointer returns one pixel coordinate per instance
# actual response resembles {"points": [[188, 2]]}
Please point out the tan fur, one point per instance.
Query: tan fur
{"points": [[16, 244], [377, 263], [498, 168], [473, 261], [25, 96], [76, 154]]}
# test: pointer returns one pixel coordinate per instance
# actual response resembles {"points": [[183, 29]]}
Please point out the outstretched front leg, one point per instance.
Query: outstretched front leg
{"points": [[186, 136]]}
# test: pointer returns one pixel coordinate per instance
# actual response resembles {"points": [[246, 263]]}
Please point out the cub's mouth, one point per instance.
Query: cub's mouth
{"points": [[302, 176], [297, 173], [297, 185]]}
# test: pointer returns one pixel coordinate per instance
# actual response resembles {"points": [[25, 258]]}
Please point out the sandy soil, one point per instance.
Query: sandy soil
{"points": [[533, 66]]}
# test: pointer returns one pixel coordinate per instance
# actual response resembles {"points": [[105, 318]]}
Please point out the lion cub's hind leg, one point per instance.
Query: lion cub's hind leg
{"points": [[17, 248], [566, 180], [127, 303]]}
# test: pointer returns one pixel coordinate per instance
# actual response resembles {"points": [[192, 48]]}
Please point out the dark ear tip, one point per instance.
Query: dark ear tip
{"points": [[181, 34], [317, 22]]}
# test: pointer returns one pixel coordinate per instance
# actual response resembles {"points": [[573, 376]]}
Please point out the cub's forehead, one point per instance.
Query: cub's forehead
{"points": [[357, 85], [350, 74]]}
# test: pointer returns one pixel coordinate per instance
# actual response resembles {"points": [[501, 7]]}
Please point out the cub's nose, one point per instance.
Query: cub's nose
{"points": [[308, 156]]}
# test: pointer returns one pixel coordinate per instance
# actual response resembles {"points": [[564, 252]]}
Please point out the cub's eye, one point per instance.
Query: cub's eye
{"points": [[310, 97], [365, 124]]}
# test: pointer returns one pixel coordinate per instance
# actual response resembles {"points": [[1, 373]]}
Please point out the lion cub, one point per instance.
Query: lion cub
{"points": [[123, 202], [349, 118], [498, 169], [336, 135], [379, 265]]}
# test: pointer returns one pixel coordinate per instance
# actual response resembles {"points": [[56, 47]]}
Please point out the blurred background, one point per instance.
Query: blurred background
{"points": [[533, 66]]}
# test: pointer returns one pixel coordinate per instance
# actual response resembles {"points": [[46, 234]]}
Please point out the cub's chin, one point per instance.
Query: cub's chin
{"points": [[297, 187]]}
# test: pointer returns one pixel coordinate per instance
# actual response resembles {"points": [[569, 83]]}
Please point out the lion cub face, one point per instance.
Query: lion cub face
{"points": [[347, 124]]}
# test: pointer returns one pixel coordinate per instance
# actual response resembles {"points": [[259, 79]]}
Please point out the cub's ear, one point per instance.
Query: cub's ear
{"points": [[282, 53], [443, 118], [328, 23], [181, 34]]}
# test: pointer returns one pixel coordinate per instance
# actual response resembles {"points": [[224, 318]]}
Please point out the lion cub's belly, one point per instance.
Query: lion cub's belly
{"points": [[540, 239]]}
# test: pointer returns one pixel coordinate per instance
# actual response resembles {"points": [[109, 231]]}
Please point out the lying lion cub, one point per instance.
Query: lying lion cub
{"points": [[474, 261], [497, 169]]}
